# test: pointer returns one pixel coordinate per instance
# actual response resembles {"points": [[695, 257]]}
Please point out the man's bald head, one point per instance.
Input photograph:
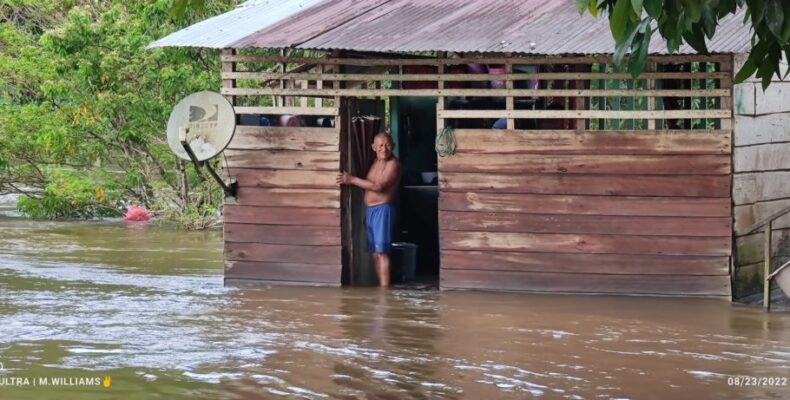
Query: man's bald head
{"points": [[384, 135]]}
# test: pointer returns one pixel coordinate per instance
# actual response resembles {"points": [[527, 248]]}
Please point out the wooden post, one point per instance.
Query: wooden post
{"points": [[229, 66], [767, 266], [651, 101], [283, 82], [579, 102], [302, 99], [440, 96], [509, 103], [726, 83], [319, 84]]}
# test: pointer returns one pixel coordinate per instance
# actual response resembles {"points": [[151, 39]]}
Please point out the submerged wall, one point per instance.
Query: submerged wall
{"points": [[639, 212], [761, 180], [285, 224]]}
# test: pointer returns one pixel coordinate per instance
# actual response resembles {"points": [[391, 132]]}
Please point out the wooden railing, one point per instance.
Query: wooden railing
{"points": [[767, 224], [587, 90]]}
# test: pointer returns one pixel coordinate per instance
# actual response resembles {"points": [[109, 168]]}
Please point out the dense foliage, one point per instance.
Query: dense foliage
{"points": [[633, 22], [84, 108]]}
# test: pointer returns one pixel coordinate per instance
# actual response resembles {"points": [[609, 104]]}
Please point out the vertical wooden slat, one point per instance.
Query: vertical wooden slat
{"points": [[651, 101], [303, 100], [440, 98], [767, 266], [726, 83], [229, 66], [579, 101], [511, 123], [319, 84]]}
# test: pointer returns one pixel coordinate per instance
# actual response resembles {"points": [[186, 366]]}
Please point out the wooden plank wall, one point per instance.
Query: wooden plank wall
{"points": [[761, 177], [284, 226], [638, 212]]}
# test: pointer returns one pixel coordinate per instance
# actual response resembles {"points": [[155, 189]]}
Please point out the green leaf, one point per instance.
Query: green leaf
{"points": [[582, 5], [620, 20], [787, 57], [774, 17], [637, 5], [626, 44], [708, 22], [593, 7], [757, 10], [747, 70], [178, 8], [785, 34], [198, 5], [766, 71], [638, 60], [693, 9], [696, 39], [653, 8]]}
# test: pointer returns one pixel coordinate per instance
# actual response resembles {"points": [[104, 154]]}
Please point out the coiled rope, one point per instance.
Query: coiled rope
{"points": [[445, 142]]}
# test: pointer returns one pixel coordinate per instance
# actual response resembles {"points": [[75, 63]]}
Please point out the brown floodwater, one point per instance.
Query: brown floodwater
{"points": [[146, 306]]}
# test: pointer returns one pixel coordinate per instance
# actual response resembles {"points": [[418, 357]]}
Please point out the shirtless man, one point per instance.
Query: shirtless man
{"points": [[380, 187]]}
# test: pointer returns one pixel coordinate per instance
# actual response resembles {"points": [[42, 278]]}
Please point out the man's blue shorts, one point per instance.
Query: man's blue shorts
{"points": [[379, 220]]}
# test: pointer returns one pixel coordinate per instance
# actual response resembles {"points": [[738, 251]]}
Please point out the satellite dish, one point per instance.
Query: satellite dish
{"points": [[200, 127], [208, 122]]}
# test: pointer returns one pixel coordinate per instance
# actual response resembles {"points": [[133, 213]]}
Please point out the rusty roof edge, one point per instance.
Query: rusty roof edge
{"points": [[296, 45]]}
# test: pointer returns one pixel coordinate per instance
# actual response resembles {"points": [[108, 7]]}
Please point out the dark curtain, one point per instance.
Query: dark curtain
{"points": [[363, 130]]}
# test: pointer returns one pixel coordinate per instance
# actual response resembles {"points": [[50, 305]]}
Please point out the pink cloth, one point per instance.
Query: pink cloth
{"points": [[136, 213]]}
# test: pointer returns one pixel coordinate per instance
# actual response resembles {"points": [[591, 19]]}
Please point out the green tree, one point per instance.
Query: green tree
{"points": [[633, 22], [84, 107]]}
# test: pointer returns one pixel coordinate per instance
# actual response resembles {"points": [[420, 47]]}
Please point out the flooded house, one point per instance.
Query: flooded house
{"points": [[530, 162]]}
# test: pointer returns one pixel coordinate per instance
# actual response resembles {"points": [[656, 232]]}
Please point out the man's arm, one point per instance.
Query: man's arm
{"points": [[388, 178]]}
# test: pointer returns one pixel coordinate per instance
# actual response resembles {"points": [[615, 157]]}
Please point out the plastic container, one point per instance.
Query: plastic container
{"points": [[404, 261]]}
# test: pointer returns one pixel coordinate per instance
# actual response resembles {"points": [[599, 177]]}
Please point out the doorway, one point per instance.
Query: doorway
{"points": [[414, 130], [412, 124]]}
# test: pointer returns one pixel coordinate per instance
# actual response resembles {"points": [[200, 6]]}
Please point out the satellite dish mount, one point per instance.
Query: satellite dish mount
{"points": [[200, 127], [230, 189]]}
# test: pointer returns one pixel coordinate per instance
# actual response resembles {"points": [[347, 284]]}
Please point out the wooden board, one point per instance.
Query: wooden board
{"points": [[285, 110], [760, 186], [559, 223], [275, 197], [282, 253], [288, 179], [587, 164], [479, 59], [282, 234], [771, 128], [584, 263], [282, 216], [765, 157], [551, 114], [284, 272], [614, 185], [585, 243], [587, 205], [285, 138], [682, 285], [602, 142], [284, 159]]}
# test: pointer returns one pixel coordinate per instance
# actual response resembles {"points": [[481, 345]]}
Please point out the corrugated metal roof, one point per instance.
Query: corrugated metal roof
{"points": [[518, 26], [224, 30]]}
